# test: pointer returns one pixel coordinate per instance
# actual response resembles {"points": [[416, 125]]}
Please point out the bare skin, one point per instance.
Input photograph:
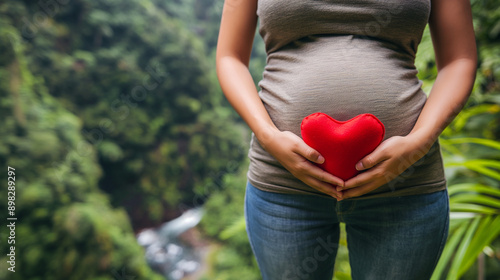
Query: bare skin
{"points": [[454, 44]]}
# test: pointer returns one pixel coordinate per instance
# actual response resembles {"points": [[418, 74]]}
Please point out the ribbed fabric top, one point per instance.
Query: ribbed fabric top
{"points": [[343, 58]]}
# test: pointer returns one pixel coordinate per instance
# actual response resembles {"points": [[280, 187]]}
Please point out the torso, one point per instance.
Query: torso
{"points": [[342, 58]]}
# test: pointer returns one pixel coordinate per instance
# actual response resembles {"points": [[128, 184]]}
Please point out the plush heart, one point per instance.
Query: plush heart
{"points": [[342, 143]]}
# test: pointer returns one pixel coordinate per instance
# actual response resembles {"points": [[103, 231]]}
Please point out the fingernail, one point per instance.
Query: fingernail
{"points": [[359, 166], [321, 159]]}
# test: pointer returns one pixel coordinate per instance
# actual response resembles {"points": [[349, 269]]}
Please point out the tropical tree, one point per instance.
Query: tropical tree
{"points": [[66, 227]]}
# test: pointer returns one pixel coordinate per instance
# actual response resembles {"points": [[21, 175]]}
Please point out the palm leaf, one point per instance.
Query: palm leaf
{"points": [[469, 234], [479, 199], [448, 251], [474, 208], [473, 187], [460, 254], [482, 166], [462, 119], [481, 141], [487, 231]]}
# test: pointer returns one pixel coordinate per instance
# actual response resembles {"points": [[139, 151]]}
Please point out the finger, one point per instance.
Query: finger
{"points": [[371, 159], [322, 187], [361, 179], [359, 191], [309, 153], [322, 175]]}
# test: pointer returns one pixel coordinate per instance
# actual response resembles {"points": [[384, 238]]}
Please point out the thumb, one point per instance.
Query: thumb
{"points": [[310, 153], [370, 160]]}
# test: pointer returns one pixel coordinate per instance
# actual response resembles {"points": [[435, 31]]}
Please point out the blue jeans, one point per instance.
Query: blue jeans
{"points": [[296, 237]]}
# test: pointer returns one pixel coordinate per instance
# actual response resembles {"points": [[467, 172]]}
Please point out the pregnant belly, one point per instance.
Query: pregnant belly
{"points": [[342, 76]]}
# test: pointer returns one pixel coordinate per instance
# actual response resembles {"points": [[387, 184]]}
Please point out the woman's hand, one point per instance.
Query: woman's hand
{"points": [[234, 47], [391, 158], [452, 32], [298, 158]]}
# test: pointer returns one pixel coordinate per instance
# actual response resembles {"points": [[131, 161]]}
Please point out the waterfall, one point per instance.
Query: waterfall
{"points": [[165, 253]]}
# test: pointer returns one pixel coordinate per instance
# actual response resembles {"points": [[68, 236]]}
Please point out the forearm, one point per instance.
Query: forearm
{"points": [[239, 89], [450, 92], [454, 44]]}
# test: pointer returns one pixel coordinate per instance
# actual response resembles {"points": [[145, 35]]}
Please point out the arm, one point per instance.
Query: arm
{"points": [[234, 47], [455, 49]]}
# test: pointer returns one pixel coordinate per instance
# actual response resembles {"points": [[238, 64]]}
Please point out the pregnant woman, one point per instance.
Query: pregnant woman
{"points": [[345, 58]]}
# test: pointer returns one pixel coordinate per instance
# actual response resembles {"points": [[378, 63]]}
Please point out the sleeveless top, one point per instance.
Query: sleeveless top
{"points": [[343, 58]]}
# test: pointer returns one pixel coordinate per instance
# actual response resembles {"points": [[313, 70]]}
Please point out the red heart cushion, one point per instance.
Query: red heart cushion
{"points": [[342, 143]]}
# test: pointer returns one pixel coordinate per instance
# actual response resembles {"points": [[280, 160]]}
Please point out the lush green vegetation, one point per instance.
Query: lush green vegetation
{"points": [[114, 121], [472, 160], [111, 114]]}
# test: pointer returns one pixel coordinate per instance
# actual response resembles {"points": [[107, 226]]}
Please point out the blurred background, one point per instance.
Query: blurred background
{"points": [[130, 164]]}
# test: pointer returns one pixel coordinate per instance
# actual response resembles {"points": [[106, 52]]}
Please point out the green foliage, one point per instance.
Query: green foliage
{"points": [[224, 223], [472, 156], [66, 227], [142, 86], [474, 203]]}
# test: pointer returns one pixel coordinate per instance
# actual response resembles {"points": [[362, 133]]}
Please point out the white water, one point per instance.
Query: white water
{"points": [[164, 251]]}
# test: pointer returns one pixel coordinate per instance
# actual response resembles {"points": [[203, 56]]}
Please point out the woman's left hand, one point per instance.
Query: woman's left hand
{"points": [[386, 162], [452, 33]]}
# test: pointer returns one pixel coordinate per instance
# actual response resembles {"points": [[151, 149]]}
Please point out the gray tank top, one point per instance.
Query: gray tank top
{"points": [[343, 58]]}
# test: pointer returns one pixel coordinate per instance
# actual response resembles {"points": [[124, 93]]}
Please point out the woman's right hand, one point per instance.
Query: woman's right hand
{"points": [[234, 47], [299, 158]]}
